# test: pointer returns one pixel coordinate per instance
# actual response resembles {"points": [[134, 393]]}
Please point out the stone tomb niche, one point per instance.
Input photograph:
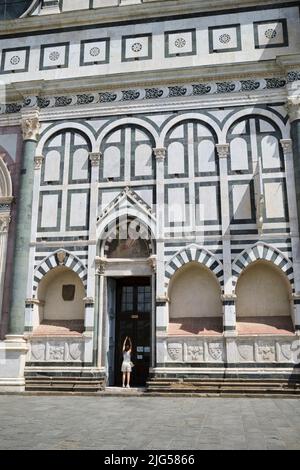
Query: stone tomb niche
{"points": [[61, 305], [195, 302], [263, 303]]}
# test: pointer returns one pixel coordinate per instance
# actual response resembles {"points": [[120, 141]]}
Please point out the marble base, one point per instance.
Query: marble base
{"points": [[13, 353]]}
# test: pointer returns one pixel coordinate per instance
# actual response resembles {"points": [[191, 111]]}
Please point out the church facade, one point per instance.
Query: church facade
{"points": [[149, 188]]}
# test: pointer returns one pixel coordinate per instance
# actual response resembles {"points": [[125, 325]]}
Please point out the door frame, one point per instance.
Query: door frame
{"points": [[108, 322]]}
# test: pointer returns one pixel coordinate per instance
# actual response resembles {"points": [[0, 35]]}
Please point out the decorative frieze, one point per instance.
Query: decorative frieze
{"points": [[56, 350], [233, 350], [141, 94]]}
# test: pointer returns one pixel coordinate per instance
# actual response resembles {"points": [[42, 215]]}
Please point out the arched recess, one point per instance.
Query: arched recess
{"points": [[60, 258], [195, 305], [6, 190], [127, 152], [262, 251], [198, 254], [60, 308], [263, 300]]}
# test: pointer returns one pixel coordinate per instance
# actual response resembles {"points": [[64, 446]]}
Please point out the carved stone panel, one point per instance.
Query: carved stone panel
{"points": [[75, 351], [246, 351], [38, 352], [194, 352], [215, 351], [175, 352], [266, 351], [56, 352]]}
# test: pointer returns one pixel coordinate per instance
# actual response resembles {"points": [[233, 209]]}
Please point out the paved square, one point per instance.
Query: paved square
{"points": [[32, 422]]}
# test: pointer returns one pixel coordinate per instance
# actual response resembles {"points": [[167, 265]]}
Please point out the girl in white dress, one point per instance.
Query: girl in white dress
{"points": [[126, 364]]}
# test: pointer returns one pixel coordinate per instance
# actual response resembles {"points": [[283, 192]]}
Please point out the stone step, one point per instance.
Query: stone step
{"points": [[221, 384]]}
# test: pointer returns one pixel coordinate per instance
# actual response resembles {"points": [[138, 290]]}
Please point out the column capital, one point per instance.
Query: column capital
{"points": [[223, 150], [160, 153], [95, 158], [30, 125], [100, 264], [38, 161], [286, 145], [4, 222], [293, 107], [152, 262]]}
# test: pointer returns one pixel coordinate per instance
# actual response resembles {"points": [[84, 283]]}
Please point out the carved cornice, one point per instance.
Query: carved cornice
{"points": [[30, 125]]}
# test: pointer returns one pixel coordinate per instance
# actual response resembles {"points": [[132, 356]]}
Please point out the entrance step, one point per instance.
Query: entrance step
{"points": [[124, 392], [232, 387], [63, 382]]}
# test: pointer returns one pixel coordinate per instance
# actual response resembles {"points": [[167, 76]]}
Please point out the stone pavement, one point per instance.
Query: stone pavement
{"points": [[162, 423]]}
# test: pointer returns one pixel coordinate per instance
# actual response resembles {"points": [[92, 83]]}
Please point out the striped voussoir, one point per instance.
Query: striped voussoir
{"points": [[262, 251], [70, 261], [199, 255]]}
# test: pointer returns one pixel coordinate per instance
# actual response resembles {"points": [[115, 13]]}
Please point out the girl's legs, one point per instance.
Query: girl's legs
{"points": [[128, 379], [124, 375]]}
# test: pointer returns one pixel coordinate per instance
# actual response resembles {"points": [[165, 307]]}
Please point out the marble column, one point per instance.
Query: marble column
{"points": [[228, 299], [161, 302], [4, 226], [30, 127], [293, 106]]}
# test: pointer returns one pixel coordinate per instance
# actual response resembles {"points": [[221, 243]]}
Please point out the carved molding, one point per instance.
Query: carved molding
{"points": [[30, 125], [152, 262], [223, 150]]}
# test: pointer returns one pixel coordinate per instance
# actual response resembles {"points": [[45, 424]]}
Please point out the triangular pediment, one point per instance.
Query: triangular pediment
{"points": [[126, 201]]}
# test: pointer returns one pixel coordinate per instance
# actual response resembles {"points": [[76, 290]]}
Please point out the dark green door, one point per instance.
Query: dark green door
{"points": [[133, 319]]}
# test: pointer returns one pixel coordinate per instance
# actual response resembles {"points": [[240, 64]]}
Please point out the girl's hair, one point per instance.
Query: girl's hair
{"points": [[127, 347]]}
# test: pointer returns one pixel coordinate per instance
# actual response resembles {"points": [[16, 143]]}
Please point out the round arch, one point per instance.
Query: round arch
{"points": [[202, 119], [250, 113], [64, 127], [127, 122], [198, 254], [56, 259], [6, 190], [262, 251]]}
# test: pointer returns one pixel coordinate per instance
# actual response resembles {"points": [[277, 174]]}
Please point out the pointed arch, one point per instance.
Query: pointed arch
{"points": [[126, 205], [198, 254], [52, 261], [261, 251]]}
